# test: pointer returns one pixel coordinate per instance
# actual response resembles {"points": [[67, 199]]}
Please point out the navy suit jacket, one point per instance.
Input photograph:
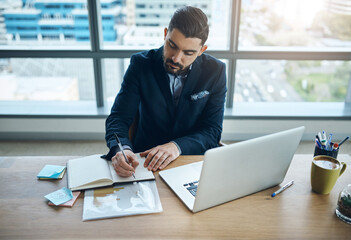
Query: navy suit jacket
{"points": [[195, 124]]}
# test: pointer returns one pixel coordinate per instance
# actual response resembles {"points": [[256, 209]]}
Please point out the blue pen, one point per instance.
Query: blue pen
{"points": [[318, 144], [343, 141], [329, 141], [283, 188]]}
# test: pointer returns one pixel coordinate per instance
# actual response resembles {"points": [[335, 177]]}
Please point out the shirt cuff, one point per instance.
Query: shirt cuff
{"points": [[180, 150], [126, 147], [114, 150]]}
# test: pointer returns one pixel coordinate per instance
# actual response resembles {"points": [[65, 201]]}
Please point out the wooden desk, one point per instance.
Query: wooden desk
{"points": [[296, 213]]}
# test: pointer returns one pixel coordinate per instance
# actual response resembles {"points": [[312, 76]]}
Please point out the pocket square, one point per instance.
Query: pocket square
{"points": [[197, 96]]}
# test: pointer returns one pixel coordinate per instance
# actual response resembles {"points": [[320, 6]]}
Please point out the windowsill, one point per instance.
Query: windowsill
{"points": [[257, 110], [52, 109], [281, 110]]}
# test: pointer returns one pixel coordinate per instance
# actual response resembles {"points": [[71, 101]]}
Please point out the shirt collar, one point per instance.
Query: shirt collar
{"points": [[182, 75]]}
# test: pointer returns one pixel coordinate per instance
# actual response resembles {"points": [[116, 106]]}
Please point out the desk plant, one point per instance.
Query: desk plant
{"points": [[343, 210]]}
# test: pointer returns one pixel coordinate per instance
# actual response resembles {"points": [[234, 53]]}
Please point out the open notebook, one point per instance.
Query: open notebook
{"points": [[94, 171]]}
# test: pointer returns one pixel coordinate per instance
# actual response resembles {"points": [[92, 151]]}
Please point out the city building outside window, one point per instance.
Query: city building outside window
{"points": [[276, 51]]}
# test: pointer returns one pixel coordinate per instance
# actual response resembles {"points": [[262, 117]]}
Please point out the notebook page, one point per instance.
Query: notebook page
{"points": [[141, 173], [89, 169]]}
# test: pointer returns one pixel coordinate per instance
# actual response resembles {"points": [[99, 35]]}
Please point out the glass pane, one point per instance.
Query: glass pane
{"points": [[45, 23], [114, 72], [140, 23], [291, 81], [46, 79], [297, 23]]}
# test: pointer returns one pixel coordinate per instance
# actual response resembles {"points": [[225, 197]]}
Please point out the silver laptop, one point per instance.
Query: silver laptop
{"points": [[235, 170]]}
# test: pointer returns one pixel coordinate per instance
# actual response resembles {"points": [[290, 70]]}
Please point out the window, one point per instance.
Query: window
{"points": [[46, 79], [291, 81], [281, 55], [114, 72], [26, 25], [133, 27], [310, 24]]}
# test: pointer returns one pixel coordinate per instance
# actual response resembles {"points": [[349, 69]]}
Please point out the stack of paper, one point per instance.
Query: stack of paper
{"points": [[52, 172]]}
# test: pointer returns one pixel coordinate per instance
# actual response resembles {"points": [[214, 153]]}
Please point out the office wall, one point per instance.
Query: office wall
{"points": [[94, 128]]}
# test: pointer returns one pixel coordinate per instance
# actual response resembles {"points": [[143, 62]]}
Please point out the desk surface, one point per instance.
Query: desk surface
{"points": [[296, 213]]}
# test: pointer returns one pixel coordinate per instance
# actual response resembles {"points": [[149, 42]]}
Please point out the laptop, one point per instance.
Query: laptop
{"points": [[234, 171]]}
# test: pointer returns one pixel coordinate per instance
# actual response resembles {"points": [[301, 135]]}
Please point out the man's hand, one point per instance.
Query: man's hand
{"points": [[120, 165], [159, 157]]}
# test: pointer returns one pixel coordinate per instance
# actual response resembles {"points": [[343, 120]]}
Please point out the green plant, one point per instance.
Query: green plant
{"points": [[346, 200]]}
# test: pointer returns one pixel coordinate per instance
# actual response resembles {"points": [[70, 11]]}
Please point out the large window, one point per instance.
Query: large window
{"points": [[140, 24], [291, 81], [47, 79], [277, 52], [313, 24], [37, 24]]}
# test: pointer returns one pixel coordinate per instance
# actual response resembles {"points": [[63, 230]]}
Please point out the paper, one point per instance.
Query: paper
{"points": [[70, 203], [121, 200], [51, 172], [93, 171], [60, 196], [141, 173]]}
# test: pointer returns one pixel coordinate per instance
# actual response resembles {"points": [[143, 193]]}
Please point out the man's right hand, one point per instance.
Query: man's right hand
{"points": [[120, 165]]}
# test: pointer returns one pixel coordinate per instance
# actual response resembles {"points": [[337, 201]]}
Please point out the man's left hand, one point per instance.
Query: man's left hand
{"points": [[160, 156]]}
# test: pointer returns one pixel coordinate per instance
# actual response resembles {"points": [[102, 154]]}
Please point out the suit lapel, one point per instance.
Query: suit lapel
{"points": [[163, 82], [189, 86]]}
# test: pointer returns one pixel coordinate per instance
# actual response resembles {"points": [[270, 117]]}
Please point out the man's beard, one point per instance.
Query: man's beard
{"points": [[182, 70]]}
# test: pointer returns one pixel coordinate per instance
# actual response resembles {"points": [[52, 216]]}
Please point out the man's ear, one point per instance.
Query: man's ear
{"points": [[165, 33], [204, 47]]}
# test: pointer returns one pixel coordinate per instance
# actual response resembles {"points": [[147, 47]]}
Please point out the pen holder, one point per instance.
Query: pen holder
{"points": [[321, 151]]}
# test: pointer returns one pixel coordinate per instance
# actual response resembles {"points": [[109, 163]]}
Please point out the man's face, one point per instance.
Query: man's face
{"points": [[180, 52]]}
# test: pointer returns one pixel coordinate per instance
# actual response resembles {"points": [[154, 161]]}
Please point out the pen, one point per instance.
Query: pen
{"points": [[343, 141], [329, 141], [283, 188], [120, 147], [324, 139], [318, 137], [335, 146], [318, 144]]}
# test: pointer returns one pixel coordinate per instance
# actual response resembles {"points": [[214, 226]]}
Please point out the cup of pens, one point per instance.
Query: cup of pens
{"points": [[325, 146]]}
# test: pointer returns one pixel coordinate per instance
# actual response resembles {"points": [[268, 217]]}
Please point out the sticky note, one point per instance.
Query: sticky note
{"points": [[51, 171], [70, 203], [60, 196]]}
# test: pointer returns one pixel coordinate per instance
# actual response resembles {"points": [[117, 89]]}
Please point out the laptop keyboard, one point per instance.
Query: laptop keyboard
{"points": [[191, 187]]}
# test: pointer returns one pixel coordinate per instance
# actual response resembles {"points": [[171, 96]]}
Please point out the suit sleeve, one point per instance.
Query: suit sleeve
{"points": [[208, 130], [123, 110]]}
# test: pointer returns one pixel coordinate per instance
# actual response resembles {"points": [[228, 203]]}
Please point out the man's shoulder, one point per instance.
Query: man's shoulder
{"points": [[208, 59], [147, 55]]}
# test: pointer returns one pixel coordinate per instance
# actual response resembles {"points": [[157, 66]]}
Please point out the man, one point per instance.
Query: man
{"points": [[178, 93]]}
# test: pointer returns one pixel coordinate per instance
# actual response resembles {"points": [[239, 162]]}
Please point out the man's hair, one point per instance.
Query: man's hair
{"points": [[191, 22]]}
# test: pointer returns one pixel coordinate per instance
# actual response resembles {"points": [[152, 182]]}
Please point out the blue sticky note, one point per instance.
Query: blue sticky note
{"points": [[51, 171], [60, 196]]}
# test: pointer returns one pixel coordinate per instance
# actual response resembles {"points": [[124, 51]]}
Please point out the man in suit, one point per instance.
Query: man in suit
{"points": [[177, 91]]}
